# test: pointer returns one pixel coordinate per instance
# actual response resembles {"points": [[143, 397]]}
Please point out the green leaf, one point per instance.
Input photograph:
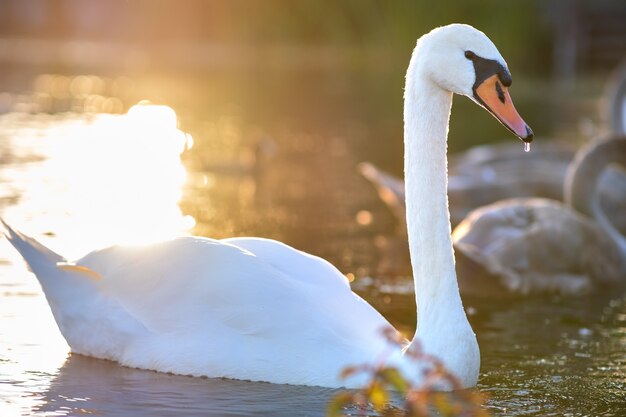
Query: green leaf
{"points": [[445, 404], [338, 403], [378, 396], [394, 378]]}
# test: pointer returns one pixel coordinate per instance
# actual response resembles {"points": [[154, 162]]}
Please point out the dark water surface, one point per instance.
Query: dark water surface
{"points": [[79, 181]]}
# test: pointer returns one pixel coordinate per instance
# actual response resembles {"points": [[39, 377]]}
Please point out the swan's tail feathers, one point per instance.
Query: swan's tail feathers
{"points": [[37, 256]]}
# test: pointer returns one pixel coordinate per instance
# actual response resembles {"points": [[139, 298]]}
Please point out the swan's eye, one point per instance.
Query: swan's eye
{"points": [[470, 55]]}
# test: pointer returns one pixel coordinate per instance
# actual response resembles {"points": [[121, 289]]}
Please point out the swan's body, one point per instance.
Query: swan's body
{"points": [[533, 245], [281, 315], [257, 309]]}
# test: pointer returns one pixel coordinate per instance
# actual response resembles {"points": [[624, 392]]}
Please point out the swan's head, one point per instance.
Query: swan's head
{"points": [[461, 59]]}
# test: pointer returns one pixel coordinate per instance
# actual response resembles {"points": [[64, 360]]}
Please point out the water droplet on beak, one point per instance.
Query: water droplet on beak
{"points": [[526, 146]]}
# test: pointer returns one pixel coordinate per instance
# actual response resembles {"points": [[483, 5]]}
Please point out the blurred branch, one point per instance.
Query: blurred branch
{"points": [[423, 400]]}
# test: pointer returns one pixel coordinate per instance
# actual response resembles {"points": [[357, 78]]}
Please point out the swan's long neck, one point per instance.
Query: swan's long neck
{"points": [[581, 183], [440, 314]]}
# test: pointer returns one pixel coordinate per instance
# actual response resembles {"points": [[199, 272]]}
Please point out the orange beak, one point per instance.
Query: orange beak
{"points": [[495, 97]]}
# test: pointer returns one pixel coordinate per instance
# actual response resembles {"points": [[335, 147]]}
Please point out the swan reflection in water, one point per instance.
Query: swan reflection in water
{"points": [[93, 386]]}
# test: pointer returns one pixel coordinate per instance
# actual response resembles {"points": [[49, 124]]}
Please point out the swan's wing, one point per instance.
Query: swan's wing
{"points": [[185, 282], [295, 264], [320, 296], [206, 286]]}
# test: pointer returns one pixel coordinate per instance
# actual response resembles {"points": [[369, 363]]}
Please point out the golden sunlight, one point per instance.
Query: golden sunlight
{"points": [[105, 179]]}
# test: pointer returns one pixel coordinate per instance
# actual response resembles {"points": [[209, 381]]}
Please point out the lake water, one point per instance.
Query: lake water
{"points": [[78, 181]]}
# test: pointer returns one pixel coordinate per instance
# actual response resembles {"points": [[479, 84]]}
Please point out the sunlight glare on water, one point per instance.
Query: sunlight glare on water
{"points": [[107, 179], [79, 182]]}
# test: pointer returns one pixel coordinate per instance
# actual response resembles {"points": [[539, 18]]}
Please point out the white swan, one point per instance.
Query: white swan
{"points": [[256, 309]]}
